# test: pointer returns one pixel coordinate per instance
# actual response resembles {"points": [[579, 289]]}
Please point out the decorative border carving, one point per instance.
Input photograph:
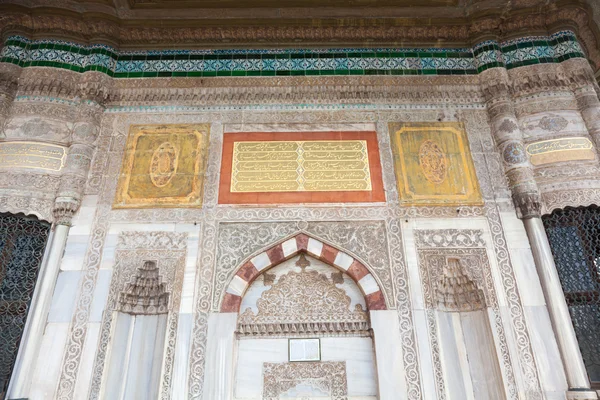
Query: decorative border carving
{"points": [[570, 198], [41, 208], [513, 298], [473, 256], [169, 248]]}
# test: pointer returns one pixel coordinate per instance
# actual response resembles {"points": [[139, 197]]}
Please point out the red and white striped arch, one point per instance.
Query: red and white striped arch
{"points": [[252, 268]]}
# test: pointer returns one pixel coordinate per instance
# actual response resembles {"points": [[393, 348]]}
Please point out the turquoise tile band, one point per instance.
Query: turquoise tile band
{"points": [[292, 62]]}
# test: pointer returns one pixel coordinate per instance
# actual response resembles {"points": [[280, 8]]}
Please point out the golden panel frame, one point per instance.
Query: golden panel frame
{"points": [[163, 166], [433, 164]]}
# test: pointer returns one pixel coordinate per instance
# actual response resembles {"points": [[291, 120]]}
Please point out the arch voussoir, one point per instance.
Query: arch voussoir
{"points": [[302, 243]]}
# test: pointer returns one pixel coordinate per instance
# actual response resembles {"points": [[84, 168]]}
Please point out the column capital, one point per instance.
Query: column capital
{"points": [[579, 73], [95, 87], [495, 84], [64, 210], [528, 204]]}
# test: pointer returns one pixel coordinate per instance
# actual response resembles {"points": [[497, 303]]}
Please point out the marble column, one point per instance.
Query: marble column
{"points": [[93, 91], [388, 355], [38, 313], [219, 367], [559, 312], [509, 140]]}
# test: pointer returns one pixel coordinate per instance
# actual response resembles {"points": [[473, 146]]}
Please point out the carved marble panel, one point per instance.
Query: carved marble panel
{"points": [[328, 378], [380, 247]]}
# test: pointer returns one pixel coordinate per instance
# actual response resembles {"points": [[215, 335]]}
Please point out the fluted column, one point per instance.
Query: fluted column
{"points": [[579, 74], [509, 140], [9, 75], [93, 90]]}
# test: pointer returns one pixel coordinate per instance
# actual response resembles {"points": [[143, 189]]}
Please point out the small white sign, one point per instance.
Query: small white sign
{"points": [[305, 349]]}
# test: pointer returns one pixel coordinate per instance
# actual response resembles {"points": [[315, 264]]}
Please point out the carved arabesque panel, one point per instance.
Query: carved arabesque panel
{"points": [[367, 240], [304, 303], [328, 377], [237, 241]]}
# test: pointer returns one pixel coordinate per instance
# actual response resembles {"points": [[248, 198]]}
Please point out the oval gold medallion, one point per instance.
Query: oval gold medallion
{"points": [[163, 165], [433, 162]]}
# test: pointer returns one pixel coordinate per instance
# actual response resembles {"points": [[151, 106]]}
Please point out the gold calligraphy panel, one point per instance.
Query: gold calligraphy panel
{"points": [[563, 149], [163, 166], [433, 164], [43, 156], [300, 166]]}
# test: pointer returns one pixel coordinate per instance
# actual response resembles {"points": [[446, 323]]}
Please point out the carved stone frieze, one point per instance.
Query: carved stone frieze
{"points": [[26, 180], [569, 172], [28, 205], [328, 377], [532, 79], [570, 198], [449, 238], [52, 82], [578, 72], [545, 102]]}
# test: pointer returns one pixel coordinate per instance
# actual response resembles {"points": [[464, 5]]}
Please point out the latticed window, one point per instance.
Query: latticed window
{"points": [[22, 243], [574, 235]]}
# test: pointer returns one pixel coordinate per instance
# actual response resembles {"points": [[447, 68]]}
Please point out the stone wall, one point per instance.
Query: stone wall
{"points": [[89, 116]]}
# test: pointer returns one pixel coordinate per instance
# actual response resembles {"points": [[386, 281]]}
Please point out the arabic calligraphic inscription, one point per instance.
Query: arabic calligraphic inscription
{"points": [[563, 149], [48, 157], [300, 167]]}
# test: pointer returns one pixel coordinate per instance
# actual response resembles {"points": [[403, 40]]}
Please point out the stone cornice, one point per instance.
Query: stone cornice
{"points": [[87, 27], [424, 90]]}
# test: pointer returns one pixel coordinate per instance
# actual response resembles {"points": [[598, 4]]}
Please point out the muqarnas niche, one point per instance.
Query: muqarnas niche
{"points": [[163, 166], [433, 164]]}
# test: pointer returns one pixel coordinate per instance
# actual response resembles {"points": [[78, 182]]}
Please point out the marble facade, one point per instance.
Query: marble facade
{"points": [[392, 319]]}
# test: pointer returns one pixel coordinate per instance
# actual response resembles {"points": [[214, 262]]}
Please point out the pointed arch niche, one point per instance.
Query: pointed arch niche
{"points": [[303, 288]]}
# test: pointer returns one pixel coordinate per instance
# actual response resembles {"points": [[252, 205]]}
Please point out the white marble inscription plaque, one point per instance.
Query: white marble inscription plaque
{"points": [[305, 350]]}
